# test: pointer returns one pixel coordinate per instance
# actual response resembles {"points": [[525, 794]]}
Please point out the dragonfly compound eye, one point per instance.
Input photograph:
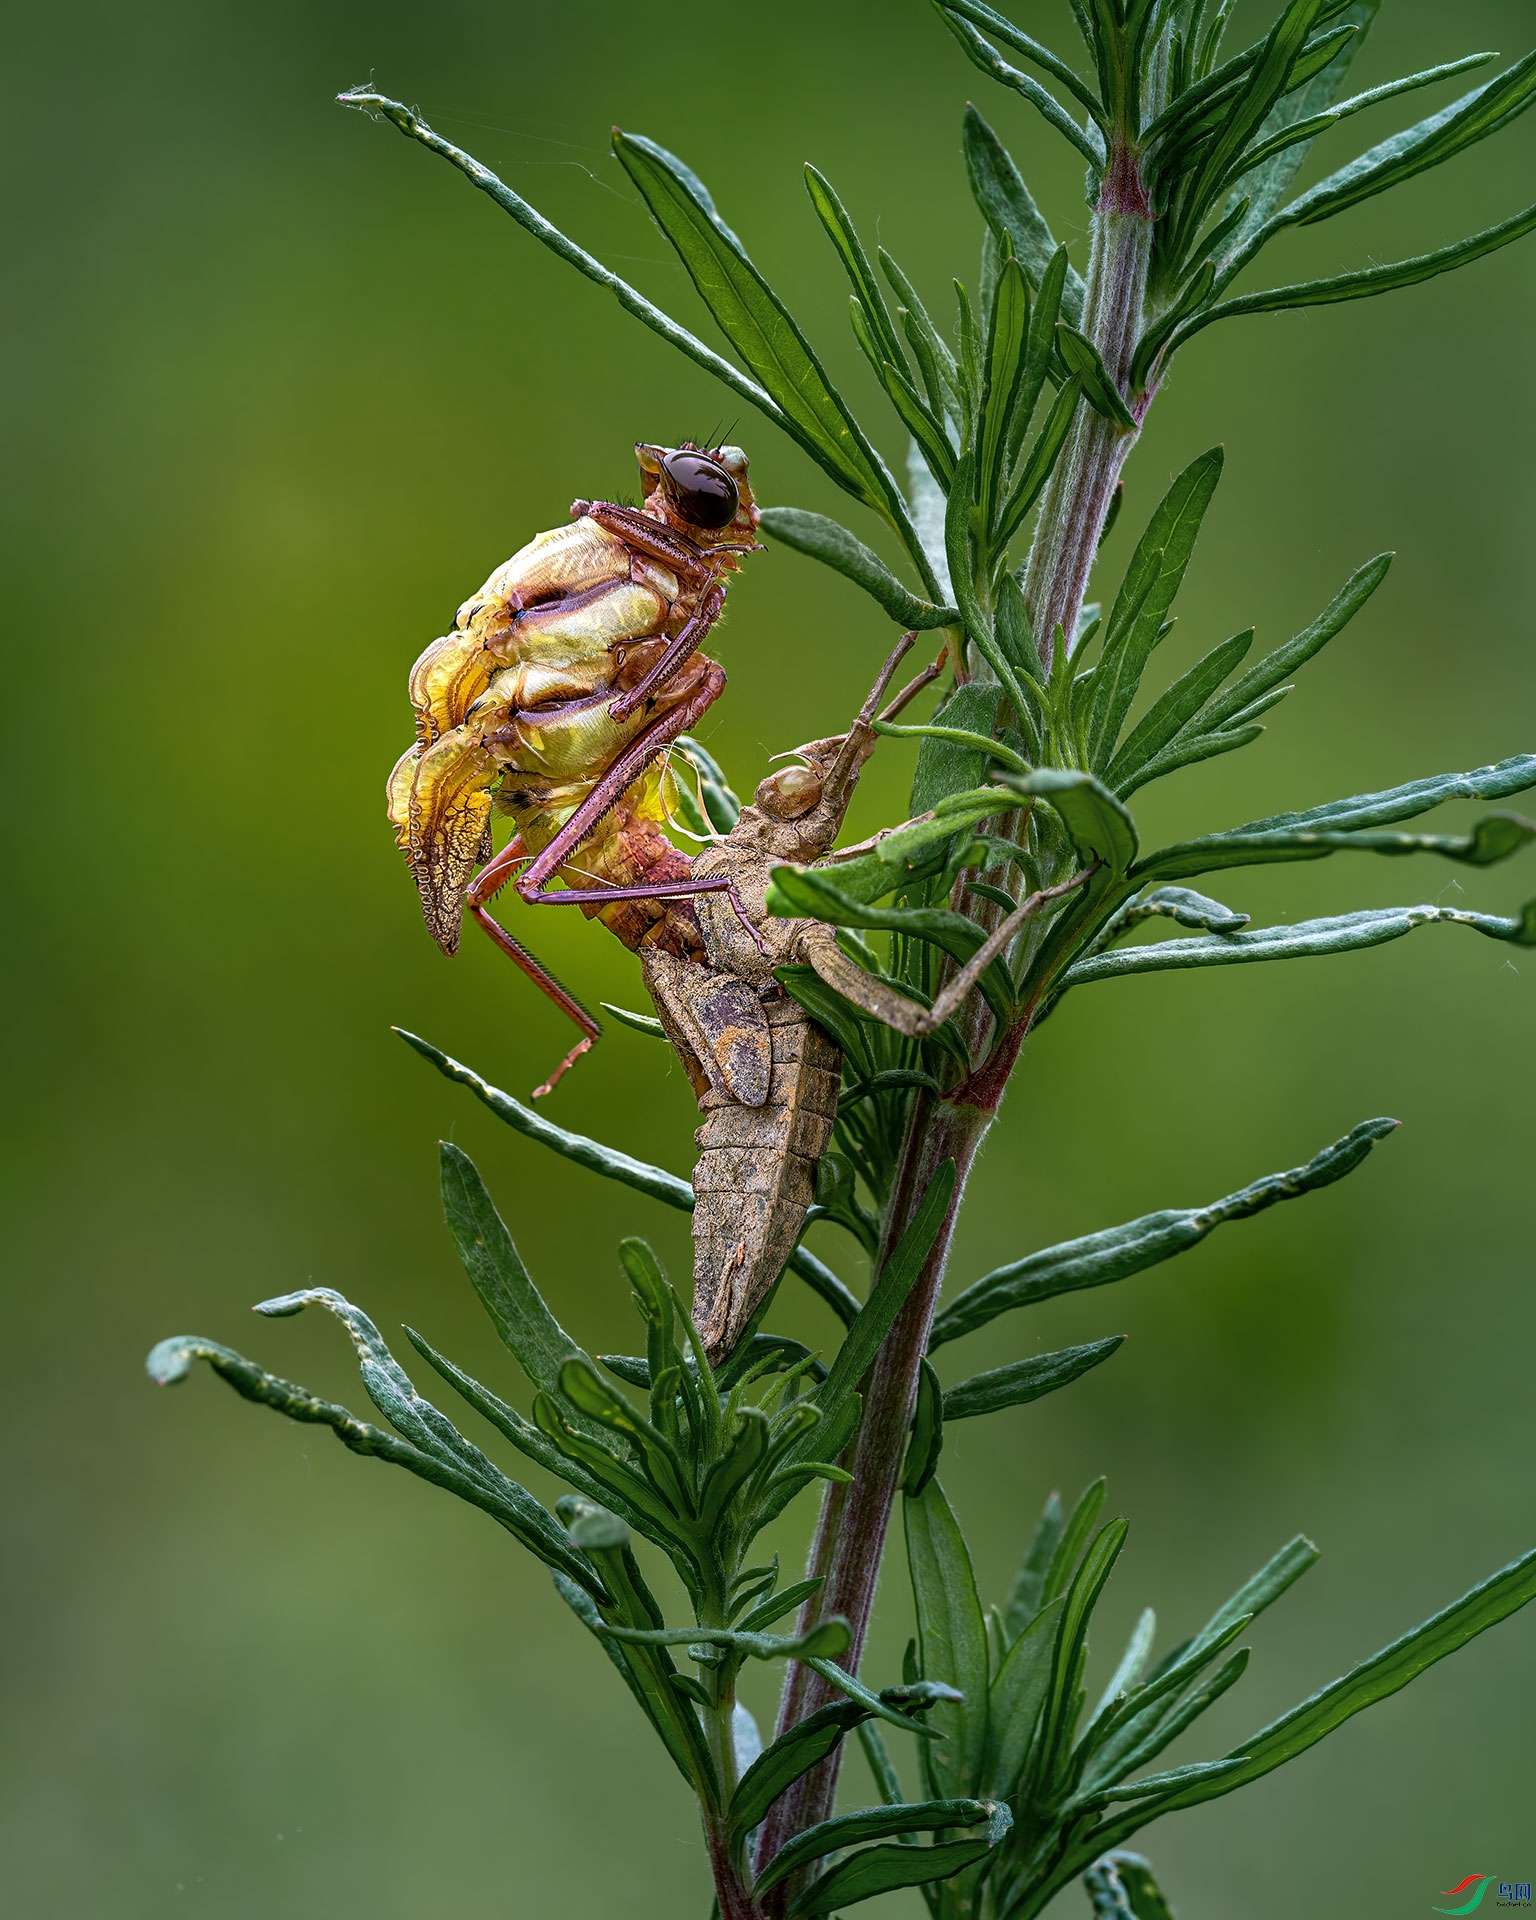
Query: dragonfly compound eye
{"points": [[701, 489]]}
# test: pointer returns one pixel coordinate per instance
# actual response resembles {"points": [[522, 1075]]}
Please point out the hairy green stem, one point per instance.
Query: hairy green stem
{"points": [[1077, 499]]}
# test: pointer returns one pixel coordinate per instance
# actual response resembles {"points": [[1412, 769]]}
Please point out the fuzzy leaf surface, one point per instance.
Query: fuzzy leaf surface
{"points": [[953, 1639], [869, 1823], [1306, 939], [1025, 1380], [1114, 1253], [835, 547]]}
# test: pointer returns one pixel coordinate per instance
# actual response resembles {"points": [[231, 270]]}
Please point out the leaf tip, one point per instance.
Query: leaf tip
{"points": [[171, 1360]]}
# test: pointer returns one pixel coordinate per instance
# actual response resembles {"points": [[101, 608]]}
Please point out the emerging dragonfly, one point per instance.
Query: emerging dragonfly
{"points": [[554, 699]]}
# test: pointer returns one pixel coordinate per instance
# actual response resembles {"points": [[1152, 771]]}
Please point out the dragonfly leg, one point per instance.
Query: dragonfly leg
{"points": [[626, 768], [485, 886], [696, 572]]}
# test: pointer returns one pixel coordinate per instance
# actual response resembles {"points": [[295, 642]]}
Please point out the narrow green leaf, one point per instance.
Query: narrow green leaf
{"points": [[1275, 1577], [834, 546], [1264, 187], [510, 1505], [1338, 933], [1365, 282], [1141, 607], [1040, 357], [1120, 1886], [778, 1604], [1284, 661], [827, 1638], [1192, 296], [1189, 749], [941, 376], [926, 1441], [981, 53], [1074, 1537], [1028, 1590], [1007, 336], [924, 424], [1493, 838], [759, 326], [960, 539], [1099, 826], [896, 1280], [1114, 1253], [669, 1699], [1060, 1709], [840, 230], [979, 743], [516, 1308], [1138, 1744], [1374, 1679], [953, 1639], [1174, 710], [1245, 114], [945, 765], [1183, 904], [894, 1705], [1032, 50], [1163, 1686], [1009, 209], [646, 1690], [529, 1441], [869, 1823], [1099, 389], [1128, 1674], [533, 222], [883, 1870], [1017, 1695], [1025, 1380], [1341, 824], [645, 1023], [1487, 109], [1033, 472], [591, 1154], [792, 1754]]}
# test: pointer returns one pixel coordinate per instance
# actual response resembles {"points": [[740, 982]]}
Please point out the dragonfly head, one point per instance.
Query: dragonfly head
{"points": [[701, 491]]}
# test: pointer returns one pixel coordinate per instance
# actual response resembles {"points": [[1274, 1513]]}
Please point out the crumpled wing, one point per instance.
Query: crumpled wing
{"points": [[440, 806]]}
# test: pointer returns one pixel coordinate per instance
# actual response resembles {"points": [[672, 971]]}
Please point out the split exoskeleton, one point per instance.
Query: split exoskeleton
{"points": [[766, 1075], [554, 700]]}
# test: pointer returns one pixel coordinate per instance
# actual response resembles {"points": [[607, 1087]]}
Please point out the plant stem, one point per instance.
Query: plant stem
{"points": [[850, 1536], [1077, 500], [855, 1517], [733, 1893]]}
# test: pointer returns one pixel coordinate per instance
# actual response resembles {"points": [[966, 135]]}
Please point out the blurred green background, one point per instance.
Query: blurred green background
{"points": [[282, 390]]}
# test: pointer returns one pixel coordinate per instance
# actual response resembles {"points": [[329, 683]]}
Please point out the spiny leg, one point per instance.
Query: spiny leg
{"points": [[819, 945], [694, 570], [627, 768], [689, 639], [485, 886]]}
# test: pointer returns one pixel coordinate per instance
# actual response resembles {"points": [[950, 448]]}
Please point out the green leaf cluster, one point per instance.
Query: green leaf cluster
{"points": [[1076, 1779], [697, 1471], [1208, 143]]}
